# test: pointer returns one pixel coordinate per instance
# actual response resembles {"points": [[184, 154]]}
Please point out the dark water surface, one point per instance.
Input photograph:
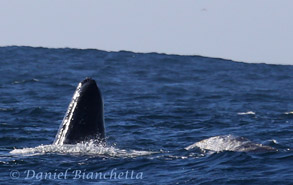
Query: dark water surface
{"points": [[155, 106]]}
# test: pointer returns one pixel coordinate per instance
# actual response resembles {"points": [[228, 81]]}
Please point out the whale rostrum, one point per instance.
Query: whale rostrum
{"points": [[84, 119]]}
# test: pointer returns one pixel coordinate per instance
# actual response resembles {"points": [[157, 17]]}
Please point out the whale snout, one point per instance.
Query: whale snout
{"points": [[87, 81]]}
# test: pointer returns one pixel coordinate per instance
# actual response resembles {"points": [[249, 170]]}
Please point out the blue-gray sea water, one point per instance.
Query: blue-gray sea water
{"points": [[155, 106]]}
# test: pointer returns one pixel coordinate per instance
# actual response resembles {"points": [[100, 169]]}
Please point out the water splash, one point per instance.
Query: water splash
{"points": [[86, 148]]}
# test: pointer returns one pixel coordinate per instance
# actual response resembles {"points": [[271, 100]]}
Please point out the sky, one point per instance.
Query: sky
{"points": [[254, 31]]}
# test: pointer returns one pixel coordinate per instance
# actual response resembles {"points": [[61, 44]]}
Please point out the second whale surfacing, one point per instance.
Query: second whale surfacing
{"points": [[230, 143], [84, 119]]}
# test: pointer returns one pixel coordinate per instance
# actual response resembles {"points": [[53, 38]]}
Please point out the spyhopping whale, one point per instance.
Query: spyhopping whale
{"points": [[84, 119]]}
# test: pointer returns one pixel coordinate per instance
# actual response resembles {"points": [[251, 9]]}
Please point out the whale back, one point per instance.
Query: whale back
{"points": [[230, 143], [84, 119]]}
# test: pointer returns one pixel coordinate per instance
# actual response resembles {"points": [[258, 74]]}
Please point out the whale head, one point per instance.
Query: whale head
{"points": [[84, 119]]}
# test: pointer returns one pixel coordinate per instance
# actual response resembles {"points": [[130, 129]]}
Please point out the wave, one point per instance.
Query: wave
{"points": [[246, 113]]}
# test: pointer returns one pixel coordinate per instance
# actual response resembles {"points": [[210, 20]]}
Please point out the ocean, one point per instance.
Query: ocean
{"points": [[156, 105]]}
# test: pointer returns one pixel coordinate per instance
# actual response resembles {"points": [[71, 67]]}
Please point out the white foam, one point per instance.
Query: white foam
{"points": [[246, 113], [88, 148]]}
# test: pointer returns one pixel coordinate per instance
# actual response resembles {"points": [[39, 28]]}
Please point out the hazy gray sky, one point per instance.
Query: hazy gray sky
{"points": [[250, 30]]}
